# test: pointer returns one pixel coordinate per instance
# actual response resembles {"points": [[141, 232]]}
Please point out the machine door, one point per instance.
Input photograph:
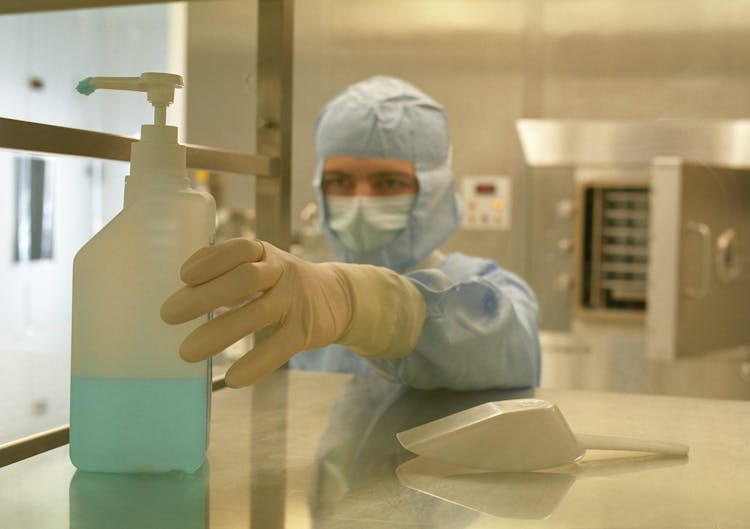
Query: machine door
{"points": [[699, 287]]}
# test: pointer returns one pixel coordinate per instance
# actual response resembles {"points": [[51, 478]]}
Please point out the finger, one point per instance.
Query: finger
{"points": [[216, 335], [212, 261], [236, 285], [265, 358]]}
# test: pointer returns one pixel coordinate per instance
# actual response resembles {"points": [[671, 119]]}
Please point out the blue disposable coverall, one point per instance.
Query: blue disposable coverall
{"points": [[480, 329]]}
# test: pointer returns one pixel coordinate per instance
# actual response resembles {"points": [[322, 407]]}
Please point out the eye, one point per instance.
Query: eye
{"points": [[336, 182], [395, 183]]}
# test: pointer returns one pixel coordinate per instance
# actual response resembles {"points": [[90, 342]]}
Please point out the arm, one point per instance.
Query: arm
{"points": [[480, 330], [373, 311], [427, 330]]}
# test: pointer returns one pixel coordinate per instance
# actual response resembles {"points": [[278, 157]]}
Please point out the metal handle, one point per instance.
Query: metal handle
{"points": [[729, 263], [704, 232]]}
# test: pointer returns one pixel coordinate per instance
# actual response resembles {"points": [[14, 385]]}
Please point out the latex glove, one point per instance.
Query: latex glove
{"points": [[374, 311]]}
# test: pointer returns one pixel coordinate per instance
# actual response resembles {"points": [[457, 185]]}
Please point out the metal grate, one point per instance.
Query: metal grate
{"points": [[614, 260]]}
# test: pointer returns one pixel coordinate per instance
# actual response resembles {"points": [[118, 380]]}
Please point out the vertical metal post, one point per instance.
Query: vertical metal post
{"points": [[274, 120], [273, 224], [268, 439]]}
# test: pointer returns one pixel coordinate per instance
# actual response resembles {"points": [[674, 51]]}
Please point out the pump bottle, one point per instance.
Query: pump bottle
{"points": [[135, 405]]}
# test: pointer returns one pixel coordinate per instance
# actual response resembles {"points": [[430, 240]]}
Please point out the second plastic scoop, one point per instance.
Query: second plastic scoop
{"points": [[515, 436]]}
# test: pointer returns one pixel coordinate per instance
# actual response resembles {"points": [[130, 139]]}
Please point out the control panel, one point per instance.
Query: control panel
{"points": [[487, 200]]}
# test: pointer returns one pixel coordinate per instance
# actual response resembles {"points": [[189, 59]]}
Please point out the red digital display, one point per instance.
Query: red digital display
{"points": [[485, 189]]}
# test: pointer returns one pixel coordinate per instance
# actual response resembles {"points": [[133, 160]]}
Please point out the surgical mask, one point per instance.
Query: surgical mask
{"points": [[366, 223]]}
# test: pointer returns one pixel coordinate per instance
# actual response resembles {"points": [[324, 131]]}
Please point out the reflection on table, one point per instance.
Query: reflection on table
{"points": [[319, 450], [174, 500]]}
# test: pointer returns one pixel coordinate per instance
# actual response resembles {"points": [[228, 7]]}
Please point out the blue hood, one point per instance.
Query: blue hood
{"points": [[387, 118]]}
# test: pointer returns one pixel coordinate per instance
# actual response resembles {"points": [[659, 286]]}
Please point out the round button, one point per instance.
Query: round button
{"points": [[564, 281], [565, 209], [565, 245]]}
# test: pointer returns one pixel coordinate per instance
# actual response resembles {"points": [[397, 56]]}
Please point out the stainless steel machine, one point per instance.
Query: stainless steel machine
{"points": [[643, 227]]}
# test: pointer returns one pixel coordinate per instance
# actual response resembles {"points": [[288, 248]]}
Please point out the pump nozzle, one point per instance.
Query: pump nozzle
{"points": [[159, 87]]}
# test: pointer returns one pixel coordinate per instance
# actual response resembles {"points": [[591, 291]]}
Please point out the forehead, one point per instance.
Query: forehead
{"points": [[367, 166]]}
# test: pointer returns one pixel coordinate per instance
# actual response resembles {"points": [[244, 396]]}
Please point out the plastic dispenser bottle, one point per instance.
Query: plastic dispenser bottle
{"points": [[135, 405]]}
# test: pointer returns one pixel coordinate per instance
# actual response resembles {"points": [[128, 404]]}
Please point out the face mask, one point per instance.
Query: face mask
{"points": [[365, 223]]}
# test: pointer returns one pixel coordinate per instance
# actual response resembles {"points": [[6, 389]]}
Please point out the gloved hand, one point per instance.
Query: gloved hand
{"points": [[374, 311]]}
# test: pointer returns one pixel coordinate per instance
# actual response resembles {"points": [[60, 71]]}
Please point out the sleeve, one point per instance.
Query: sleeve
{"points": [[480, 330]]}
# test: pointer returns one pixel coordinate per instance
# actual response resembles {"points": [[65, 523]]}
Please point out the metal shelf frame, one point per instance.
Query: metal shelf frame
{"points": [[51, 139], [8, 7], [271, 166]]}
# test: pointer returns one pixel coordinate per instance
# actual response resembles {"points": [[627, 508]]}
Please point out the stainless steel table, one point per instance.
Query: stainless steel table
{"points": [[318, 450]]}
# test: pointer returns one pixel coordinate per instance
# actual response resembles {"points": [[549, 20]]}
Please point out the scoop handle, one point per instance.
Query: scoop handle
{"points": [[611, 442]]}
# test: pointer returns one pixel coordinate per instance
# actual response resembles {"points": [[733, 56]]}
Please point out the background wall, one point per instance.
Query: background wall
{"points": [[56, 50], [489, 62]]}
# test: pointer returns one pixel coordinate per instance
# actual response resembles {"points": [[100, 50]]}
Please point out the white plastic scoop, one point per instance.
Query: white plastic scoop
{"points": [[516, 436]]}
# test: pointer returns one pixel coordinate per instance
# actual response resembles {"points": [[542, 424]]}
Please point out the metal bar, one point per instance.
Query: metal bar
{"points": [[268, 452], [626, 268], [626, 295], [32, 6], [596, 298], [274, 119], [53, 139], [626, 214], [635, 197], [625, 250], [218, 382], [622, 231], [33, 445], [273, 223], [624, 284], [199, 157]]}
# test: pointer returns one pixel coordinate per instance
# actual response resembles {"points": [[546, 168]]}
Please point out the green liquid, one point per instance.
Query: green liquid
{"points": [[138, 425], [172, 500]]}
